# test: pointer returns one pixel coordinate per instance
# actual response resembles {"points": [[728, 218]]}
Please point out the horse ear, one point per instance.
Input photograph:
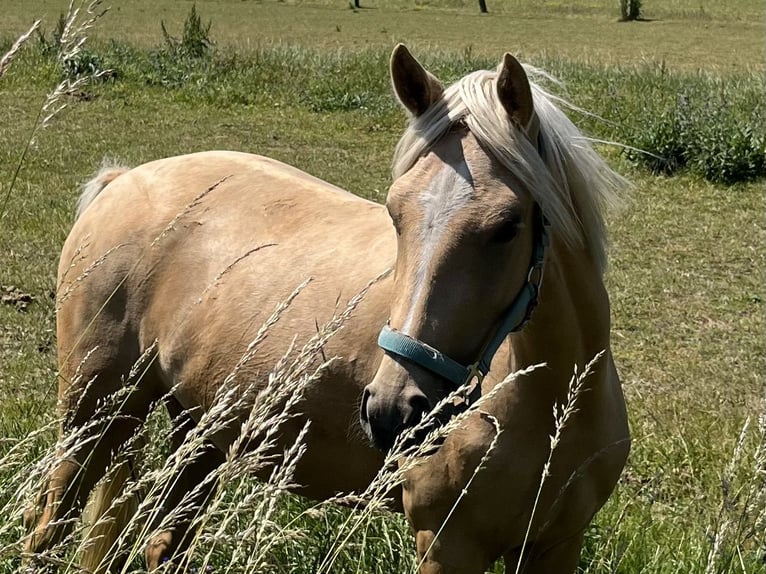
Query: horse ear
{"points": [[415, 87], [514, 92]]}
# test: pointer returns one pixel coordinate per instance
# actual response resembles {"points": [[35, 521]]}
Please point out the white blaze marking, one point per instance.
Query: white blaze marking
{"points": [[448, 192]]}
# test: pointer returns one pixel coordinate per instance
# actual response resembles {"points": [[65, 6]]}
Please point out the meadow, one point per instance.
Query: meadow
{"points": [[306, 83]]}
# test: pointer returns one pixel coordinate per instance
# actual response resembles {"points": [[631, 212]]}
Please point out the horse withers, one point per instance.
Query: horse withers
{"points": [[494, 189]]}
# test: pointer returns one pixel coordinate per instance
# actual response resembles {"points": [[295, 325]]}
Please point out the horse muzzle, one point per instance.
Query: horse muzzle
{"points": [[385, 415]]}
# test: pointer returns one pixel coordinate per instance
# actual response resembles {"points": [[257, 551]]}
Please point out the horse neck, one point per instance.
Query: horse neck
{"points": [[571, 323]]}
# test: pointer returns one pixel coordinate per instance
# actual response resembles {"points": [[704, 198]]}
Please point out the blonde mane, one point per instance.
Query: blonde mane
{"points": [[572, 184]]}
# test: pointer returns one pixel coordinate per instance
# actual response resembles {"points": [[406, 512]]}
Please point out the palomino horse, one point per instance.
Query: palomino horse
{"points": [[493, 186]]}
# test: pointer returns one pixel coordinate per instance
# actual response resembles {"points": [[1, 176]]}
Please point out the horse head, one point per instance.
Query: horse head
{"points": [[468, 231]]}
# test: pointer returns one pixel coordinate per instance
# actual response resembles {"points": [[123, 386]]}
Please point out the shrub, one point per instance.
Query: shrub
{"points": [[664, 139], [195, 41], [728, 152], [74, 63], [180, 60], [714, 130]]}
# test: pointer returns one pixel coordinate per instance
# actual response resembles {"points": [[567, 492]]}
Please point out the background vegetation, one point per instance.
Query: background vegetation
{"points": [[305, 82]]}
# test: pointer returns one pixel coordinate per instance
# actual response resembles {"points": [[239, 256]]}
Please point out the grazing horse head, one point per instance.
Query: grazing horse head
{"points": [[478, 180]]}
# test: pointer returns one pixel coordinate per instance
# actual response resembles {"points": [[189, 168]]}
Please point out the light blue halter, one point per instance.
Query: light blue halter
{"points": [[425, 356]]}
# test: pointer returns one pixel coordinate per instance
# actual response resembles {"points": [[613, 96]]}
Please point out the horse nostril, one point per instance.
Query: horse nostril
{"points": [[384, 416], [363, 406], [418, 406]]}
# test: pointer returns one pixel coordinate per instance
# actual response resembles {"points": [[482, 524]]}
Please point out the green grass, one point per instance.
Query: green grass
{"points": [[687, 262], [731, 38], [713, 125]]}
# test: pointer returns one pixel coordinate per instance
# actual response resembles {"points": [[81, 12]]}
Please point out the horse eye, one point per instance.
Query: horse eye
{"points": [[506, 232]]}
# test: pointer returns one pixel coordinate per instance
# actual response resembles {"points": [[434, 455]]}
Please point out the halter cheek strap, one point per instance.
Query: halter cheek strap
{"points": [[425, 356]]}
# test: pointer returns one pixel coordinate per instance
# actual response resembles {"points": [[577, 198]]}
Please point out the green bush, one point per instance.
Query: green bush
{"points": [[77, 63], [662, 142], [53, 45], [179, 60], [729, 151], [195, 41], [709, 129]]}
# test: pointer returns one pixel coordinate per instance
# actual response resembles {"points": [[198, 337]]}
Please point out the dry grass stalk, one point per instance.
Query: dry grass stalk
{"points": [[722, 527], [742, 512], [561, 415], [76, 258], [6, 60], [187, 208], [72, 40], [229, 267], [88, 270], [467, 487]]}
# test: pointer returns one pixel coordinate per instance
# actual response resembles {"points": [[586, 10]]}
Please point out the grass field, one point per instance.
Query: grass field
{"points": [[686, 34], [306, 83]]}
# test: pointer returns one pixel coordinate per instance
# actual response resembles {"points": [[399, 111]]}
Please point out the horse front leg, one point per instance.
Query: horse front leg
{"points": [[458, 528], [559, 558], [450, 535], [453, 551]]}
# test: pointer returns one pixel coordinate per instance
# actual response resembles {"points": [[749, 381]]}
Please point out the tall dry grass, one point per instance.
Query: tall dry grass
{"points": [[236, 529], [80, 17]]}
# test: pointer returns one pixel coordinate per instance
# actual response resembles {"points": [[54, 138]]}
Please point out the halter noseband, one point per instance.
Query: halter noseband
{"points": [[425, 356]]}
